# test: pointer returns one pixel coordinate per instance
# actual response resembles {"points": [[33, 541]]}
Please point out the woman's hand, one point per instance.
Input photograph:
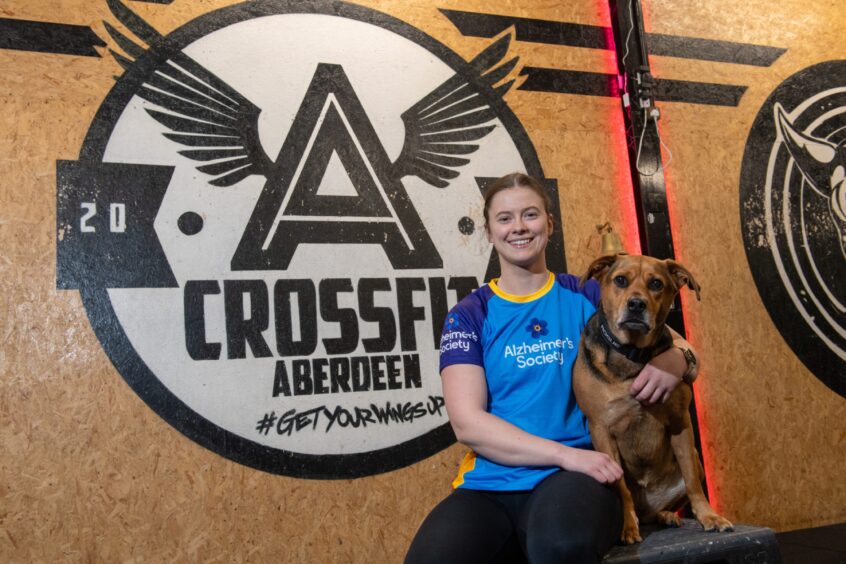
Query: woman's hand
{"points": [[660, 377], [597, 465]]}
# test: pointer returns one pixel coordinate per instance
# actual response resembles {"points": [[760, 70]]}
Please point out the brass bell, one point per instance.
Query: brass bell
{"points": [[610, 243]]}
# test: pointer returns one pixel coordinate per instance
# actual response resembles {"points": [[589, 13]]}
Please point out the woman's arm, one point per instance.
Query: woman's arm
{"points": [[465, 395], [664, 372]]}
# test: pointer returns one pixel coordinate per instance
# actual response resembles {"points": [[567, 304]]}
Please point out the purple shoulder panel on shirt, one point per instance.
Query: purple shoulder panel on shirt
{"points": [[461, 338]]}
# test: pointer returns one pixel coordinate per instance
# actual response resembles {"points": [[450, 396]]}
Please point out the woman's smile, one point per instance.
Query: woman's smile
{"points": [[519, 227]]}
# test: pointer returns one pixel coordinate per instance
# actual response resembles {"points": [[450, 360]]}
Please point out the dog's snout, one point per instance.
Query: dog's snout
{"points": [[636, 305]]}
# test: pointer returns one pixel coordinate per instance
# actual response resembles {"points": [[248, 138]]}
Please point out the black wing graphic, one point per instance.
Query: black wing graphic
{"points": [[201, 111], [441, 125]]}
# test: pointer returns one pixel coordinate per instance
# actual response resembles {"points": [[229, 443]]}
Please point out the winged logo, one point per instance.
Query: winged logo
{"points": [[218, 126]]}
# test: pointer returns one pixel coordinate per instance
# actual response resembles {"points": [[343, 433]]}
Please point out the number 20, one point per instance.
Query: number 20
{"points": [[117, 217]]}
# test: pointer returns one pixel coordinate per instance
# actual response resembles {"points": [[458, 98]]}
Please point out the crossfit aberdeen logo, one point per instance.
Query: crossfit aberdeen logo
{"points": [[793, 208], [271, 214]]}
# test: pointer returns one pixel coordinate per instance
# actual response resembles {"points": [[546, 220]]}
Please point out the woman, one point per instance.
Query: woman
{"points": [[507, 353]]}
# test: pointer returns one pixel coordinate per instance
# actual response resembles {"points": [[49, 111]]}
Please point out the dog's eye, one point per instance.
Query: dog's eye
{"points": [[656, 285], [621, 281]]}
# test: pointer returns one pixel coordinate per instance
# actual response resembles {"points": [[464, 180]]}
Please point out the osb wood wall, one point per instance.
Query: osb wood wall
{"points": [[90, 473], [773, 434]]}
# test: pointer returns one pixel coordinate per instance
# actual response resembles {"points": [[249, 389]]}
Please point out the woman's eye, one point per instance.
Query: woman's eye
{"points": [[531, 215], [656, 285], [621, 281]]}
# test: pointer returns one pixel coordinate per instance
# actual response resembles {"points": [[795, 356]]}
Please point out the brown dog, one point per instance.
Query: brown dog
{"points": [[653, 443]]}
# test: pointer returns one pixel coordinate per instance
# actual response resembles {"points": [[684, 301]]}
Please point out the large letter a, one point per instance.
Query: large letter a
{"points": [[300, 203]]}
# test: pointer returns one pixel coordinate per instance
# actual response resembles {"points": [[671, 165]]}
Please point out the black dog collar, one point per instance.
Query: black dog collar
{"points": [[635, 354]]}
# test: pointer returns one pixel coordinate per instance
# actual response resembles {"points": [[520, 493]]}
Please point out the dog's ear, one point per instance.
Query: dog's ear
{"points": [[598, 267], [683, 277]]}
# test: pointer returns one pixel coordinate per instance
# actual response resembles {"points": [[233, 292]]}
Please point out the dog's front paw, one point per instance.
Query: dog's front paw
{"points": [[631, 530], [715, 522]]}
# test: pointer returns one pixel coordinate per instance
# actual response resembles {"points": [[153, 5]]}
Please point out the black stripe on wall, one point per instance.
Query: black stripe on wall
{"points": [[533, 31], [45, 37], [598, 84], [698, 92], [712, 50], [569, 82], [596, 37]]}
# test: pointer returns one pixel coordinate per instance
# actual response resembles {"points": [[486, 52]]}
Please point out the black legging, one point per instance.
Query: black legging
{"points": [[569, 517]]}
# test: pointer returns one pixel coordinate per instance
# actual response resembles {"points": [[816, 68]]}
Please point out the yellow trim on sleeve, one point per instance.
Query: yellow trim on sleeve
{"points": [[467, 465], [522, 299]]}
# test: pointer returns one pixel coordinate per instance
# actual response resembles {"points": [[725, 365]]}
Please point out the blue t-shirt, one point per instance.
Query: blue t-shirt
{"points": [[527, 346]]}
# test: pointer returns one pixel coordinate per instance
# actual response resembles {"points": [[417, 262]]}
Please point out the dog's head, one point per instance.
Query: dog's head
{"points": [[637, 292]]}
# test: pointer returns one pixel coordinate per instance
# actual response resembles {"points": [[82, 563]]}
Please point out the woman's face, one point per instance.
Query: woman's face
{"points": [[519, 226]]}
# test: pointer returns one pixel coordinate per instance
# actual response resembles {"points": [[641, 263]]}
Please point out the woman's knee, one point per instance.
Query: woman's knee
{"points": [[571, 518]]}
